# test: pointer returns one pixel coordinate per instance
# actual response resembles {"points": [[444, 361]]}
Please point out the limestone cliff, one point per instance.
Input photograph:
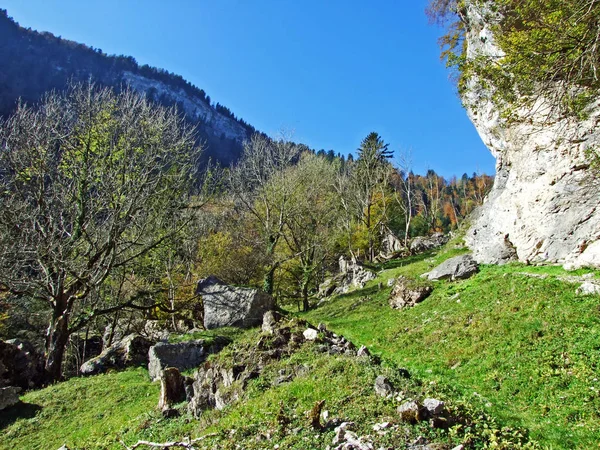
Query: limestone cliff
{"points": [[544, 205]]}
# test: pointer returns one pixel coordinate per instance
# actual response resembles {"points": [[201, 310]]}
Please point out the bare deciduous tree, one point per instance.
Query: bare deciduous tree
{"points": [[252, 181], [90, 181]]}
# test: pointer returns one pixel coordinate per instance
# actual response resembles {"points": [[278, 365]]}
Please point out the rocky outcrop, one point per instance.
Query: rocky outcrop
{"points": [[457, 268], [352, 274], [217, 384], [229, 306], [422, 244], [129, 352], [20, 365], [182, 355], [407, 293], [544, 204], [194, 107]]}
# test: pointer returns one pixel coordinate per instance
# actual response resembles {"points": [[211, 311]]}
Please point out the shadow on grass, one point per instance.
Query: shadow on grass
{"points": [[19, 411]]}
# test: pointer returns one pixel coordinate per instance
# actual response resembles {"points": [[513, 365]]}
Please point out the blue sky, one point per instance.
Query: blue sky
{"points": [[330, 71]]}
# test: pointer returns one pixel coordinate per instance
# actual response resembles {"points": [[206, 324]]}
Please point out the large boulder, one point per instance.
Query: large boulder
{"points": [[9, 396], [457, 268], [20, 365], [229, 306], [182, 355], [422, 244], [407, 293], [543, 206], [130, 351]]}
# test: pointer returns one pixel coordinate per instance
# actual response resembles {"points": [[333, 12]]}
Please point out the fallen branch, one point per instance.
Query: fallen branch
{"points": [[187, 445]]}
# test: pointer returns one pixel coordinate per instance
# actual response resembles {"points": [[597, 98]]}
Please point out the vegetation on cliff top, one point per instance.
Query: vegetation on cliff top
{"points": [[548, 48]]}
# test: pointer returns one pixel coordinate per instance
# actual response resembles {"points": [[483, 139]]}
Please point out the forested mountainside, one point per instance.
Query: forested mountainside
{"points": [[35, 62]]}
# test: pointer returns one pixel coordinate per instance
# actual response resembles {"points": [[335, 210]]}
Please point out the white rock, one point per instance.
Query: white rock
{"points": [[588, 288], [310, 334], [433, 405], [543, 206]]}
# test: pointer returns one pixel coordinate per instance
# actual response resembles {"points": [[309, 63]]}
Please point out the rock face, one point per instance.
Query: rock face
{"points": [[407, 293], [544, 204], [181, 355], [131, 351], [193, 107], [20, 365], [228, 306], [457, 268]]}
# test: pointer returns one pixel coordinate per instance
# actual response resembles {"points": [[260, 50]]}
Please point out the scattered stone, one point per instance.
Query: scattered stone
{"points": [[410, 412], [391, 244], [270, 320], [64, 447], [172, 388], [131, 351], [310, 334], [226, 305], [348, 440], [457, 268], [322, 328], [340, 431], [9, 396], [383, 387], [407, 293], [363, 352], [433, 406], [391, 282], [381, 426], [183, 355], [588, 288]]}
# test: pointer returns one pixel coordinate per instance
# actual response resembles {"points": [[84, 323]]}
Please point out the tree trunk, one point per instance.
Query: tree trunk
{"points": [[305, 304], [269, 280], [56, 339], [370, 255]]}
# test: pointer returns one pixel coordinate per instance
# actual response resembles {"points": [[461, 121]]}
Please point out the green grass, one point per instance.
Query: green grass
{"points": [[503, 349], [207, 335], [528, 346], [97, 412], [82, 413]]}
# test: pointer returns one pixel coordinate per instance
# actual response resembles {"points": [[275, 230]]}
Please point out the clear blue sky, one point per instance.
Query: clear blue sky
{"points": [[331, 71]]}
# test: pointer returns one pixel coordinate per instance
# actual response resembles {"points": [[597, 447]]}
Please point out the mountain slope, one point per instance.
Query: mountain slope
{"points": [[31, 63]]}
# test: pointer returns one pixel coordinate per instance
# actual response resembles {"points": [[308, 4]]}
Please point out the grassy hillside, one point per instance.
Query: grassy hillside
{"points": [[516, 336], [101, 411], [512, 348]]}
